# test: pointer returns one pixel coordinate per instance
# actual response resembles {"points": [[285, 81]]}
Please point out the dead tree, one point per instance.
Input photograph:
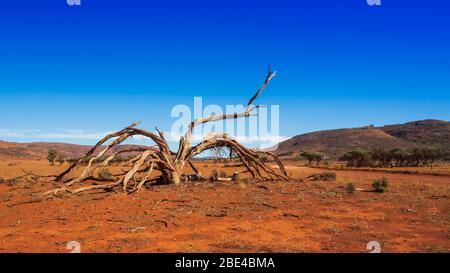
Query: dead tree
{"points": [[171, 165]]}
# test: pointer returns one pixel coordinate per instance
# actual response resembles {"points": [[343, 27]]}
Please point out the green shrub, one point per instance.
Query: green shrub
{"points": [[51, 156], [350, 188], [312, 156], [380, 184], [357, 158]]}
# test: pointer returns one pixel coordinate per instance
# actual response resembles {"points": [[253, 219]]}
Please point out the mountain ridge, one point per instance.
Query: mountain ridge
{"points": [[422, 133], [39, 150], [427, 133]]}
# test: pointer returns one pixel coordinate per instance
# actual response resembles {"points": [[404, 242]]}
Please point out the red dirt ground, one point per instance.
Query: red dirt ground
{"points": [[413, 216]]}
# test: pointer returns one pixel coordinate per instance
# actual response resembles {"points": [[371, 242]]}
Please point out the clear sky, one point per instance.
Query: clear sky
{"points": [[73, 73]]}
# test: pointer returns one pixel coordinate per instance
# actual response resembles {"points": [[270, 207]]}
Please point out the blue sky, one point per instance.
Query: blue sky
{"points": [[73, 73]]}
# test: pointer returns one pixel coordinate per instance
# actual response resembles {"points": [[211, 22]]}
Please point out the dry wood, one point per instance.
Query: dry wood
{"points": [[161, 158]]}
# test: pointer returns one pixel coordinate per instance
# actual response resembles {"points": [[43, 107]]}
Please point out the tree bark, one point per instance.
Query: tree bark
{"points": [[162, 159]]}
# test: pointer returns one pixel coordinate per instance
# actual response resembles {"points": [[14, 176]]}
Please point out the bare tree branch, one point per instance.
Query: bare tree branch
{"points": [[161, 158]]}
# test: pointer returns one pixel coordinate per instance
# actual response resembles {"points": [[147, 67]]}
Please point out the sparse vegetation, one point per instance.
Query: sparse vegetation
{"points": [[357, 158], [105, 174], [265, 201], [381, 184], [71, 160], [312, 156], [60, 159], [397, 157], [427, 134], [350, 188], [51, 156], [325, 176]]}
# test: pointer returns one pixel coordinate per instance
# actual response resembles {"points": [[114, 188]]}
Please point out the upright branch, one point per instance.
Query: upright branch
{"points": [[185, 142], [246, 113]]}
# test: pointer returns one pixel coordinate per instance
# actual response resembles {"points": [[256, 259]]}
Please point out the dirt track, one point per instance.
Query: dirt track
{"points": [[413, 216]]}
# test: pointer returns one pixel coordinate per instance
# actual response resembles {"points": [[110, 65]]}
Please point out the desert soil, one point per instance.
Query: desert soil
{"points": [[320, 216]]}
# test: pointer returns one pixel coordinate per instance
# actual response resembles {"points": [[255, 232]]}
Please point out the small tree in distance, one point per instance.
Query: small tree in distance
{"points": [[312, 156], [51, 156], [60, 159]]}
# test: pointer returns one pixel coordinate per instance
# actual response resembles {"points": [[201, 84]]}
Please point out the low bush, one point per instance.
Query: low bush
{"points": [[380, 184], [325, 176], [350, 188]]}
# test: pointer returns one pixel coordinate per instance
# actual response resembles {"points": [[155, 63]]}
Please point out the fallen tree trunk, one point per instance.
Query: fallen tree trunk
{"points": [[160, 158]]}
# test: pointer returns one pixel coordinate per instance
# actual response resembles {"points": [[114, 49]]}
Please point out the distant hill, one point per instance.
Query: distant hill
{"points": [[39, 150], [434, 133], [334, 143]]}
